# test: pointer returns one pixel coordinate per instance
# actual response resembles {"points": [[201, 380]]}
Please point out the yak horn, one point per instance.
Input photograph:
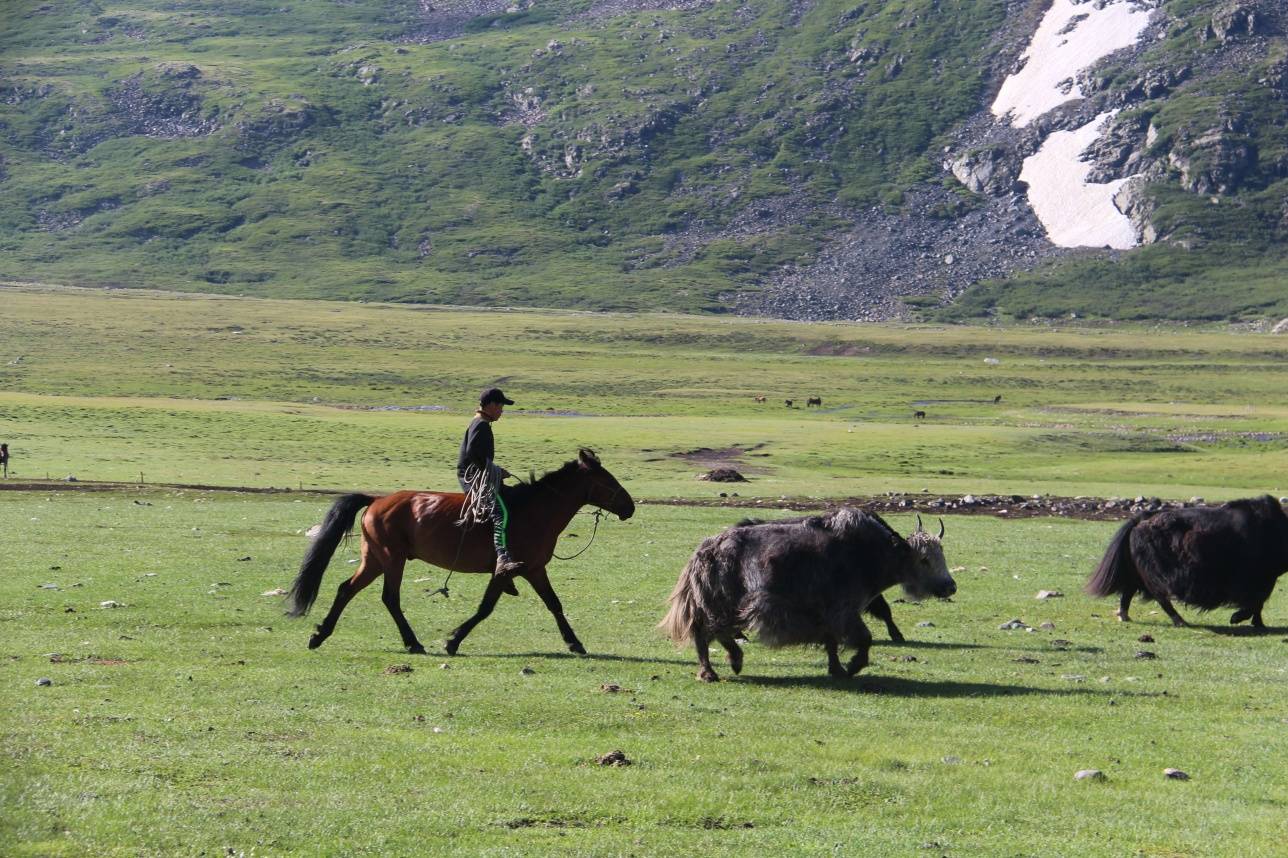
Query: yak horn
{"points": [[941, 528], [919, 527]]}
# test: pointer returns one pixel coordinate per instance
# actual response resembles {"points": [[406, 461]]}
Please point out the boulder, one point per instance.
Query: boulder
{"points": [[989, 170]]}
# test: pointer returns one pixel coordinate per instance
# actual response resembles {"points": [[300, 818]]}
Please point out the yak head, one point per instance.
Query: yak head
{"points": [[926, 572]]}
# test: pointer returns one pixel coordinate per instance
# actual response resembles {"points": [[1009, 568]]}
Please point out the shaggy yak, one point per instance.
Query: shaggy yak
{"points": [[801, 581], [1206, 557]]}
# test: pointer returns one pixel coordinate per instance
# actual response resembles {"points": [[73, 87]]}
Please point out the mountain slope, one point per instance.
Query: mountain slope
{"points": [[777, 157]]}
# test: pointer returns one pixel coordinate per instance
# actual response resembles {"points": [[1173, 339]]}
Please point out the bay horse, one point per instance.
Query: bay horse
{"points": [[424, 526]]}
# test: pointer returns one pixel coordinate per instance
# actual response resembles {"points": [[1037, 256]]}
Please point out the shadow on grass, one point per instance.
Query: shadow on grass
{"points": [[903, 687], [590, 656], [1244, 631]]}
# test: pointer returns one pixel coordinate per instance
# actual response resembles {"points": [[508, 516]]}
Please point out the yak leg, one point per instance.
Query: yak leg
{"points": [[880, 609], [1166, 605], [703, 645], [392, 597], [368, 570], [493, 592], [834, 667], [735, 651], [540, 582], [1124, 602], [861, 640]]}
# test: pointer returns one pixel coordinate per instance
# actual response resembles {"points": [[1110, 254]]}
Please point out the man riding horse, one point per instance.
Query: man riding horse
{"points": [[480, 477]]}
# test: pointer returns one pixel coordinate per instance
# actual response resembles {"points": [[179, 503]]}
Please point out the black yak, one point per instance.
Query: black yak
{"points": [[801, 581], [1206, 557]]}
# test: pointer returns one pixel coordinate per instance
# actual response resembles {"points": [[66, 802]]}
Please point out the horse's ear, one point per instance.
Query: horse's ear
{"points": [[587, 456]]}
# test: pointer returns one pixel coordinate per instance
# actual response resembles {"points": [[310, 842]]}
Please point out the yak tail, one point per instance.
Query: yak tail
{"points": [[1117, 572], [335, 527], [687, 603]]}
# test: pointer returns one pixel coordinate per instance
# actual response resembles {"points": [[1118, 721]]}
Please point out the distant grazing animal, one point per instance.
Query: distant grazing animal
{"points": [[788, 403], [1206, 557], [426, 526], [918, 415], [760, 399], [997, 399], [814, 400], [801, 581]]}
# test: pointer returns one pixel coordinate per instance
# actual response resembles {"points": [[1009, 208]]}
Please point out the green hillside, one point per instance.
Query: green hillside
{"points": [[567, 153]]}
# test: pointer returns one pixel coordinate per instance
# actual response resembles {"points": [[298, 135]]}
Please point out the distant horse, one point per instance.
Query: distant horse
{"points": [[426, 526], [814, 401], [4, 458], [788, 403], [760, 399], [918, 415], [997, 399]]}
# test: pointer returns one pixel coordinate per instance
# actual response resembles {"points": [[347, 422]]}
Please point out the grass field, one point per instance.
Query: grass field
{"points": [[191, 719]]}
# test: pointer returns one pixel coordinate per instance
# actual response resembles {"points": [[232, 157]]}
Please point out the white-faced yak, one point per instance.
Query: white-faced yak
{"points": [[800, 581], [1205, 557]]}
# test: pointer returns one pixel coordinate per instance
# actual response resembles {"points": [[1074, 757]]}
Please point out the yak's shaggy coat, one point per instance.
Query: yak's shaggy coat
{"points": [[801, 581], [1206, 557]]}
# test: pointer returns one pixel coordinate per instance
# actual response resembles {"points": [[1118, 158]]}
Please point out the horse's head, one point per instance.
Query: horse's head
{"points": [[604, 491], [927, 573]]}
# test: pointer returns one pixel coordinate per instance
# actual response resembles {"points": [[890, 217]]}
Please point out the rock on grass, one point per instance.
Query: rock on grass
{"points": [[1090, 775], [613, 758]]}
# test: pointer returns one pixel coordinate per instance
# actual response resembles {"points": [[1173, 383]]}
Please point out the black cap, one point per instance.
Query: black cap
{"points": [[494, 394]]}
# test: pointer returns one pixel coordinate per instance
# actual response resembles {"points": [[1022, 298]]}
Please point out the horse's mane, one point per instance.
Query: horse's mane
{"points": [[523, 492]]}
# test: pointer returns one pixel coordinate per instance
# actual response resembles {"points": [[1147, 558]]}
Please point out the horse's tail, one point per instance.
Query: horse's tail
{"points": [[688, 606], [335, 527], [1117, 571]]}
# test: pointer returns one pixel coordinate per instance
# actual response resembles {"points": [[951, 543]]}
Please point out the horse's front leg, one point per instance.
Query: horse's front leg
{"points": [[540, 582], [490, 595]]}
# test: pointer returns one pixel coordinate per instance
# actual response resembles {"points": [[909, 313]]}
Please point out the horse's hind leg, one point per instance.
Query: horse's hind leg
{"points": [[368, 570], [735, 652], [393, 601], [880, 609], [490, 595], [540, 582]]}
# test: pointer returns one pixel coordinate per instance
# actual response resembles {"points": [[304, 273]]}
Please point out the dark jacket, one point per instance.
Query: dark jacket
{"points": [[478, 447]]}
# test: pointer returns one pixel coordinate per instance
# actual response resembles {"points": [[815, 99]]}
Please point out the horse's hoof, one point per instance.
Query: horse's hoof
{"points": [[1179, 623], [452, 646], [1239, 616], [577, 648], [316, 641], [416, 649], [896, 638], [708, 676], [1122, 616]]}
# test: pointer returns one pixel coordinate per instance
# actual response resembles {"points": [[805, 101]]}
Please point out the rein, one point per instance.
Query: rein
{"points": [[598, 514]]}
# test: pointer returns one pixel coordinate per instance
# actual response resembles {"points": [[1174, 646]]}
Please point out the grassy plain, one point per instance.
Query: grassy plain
{"points": [[105, 386], [192, 719]]}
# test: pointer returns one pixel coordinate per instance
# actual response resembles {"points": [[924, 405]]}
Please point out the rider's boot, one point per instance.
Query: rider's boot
{"points": [[506, 566]]}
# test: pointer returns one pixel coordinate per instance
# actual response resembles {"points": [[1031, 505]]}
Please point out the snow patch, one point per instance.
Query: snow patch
{"points": [[1073, 35], [1074, 212]]}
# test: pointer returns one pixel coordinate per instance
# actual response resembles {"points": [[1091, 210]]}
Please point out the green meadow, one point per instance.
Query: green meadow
{"points": [[189, 718]]}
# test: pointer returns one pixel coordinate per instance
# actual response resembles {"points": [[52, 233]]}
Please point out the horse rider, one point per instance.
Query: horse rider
{"points": [[480, 477]]}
